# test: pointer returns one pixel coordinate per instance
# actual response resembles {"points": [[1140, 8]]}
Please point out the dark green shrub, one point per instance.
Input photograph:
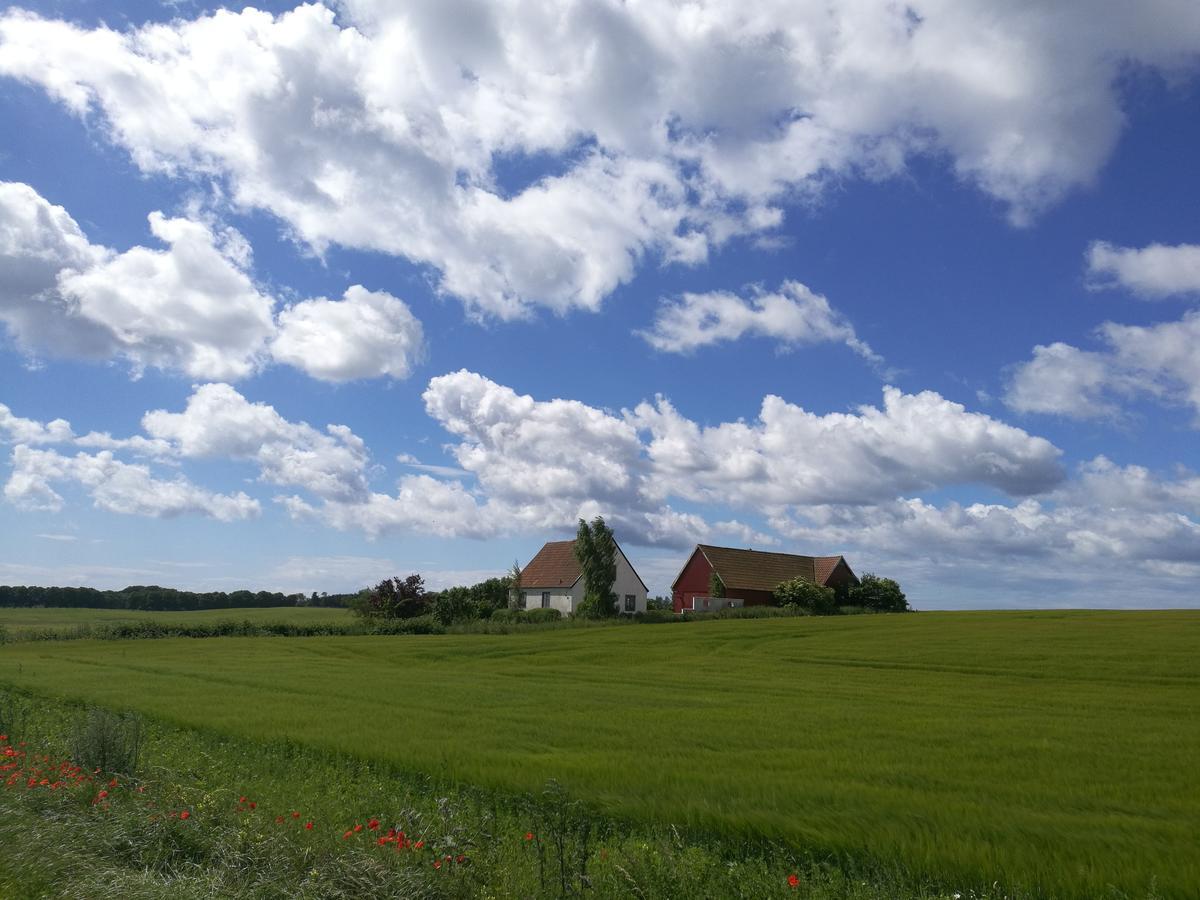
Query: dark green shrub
{"points": [[807, 595], [110, 742], [534, 616], [657, 616], [880, 594], [397, 598]]}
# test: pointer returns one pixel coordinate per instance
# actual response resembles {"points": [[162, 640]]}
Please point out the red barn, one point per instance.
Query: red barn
{"points": [[751, 576]]}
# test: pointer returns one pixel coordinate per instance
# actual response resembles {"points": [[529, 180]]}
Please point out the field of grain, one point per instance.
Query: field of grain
{"points": [[22, 619], [1054, 750]]}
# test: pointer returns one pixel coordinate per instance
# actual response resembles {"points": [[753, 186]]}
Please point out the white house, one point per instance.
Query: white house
{"points": [[554, 580]]}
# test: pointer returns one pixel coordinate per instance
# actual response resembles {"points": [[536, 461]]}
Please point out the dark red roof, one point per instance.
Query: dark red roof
{"points": [[824, 566], [761, 570], [554, 566]]}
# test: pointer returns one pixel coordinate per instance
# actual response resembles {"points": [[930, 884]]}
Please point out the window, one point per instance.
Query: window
{"points": [[630, 603], [545, 599], [524, 600]]}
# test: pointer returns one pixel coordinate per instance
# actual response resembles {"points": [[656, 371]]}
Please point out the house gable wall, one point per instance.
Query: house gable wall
{"points": [[692, 581], [841, 576]]}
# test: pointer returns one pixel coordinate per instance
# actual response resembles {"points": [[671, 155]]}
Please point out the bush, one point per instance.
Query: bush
{"points": [[453, 605], [879, 594], [534, 616], [807, 595], [656, 616], [396, 598], [110, 742]]}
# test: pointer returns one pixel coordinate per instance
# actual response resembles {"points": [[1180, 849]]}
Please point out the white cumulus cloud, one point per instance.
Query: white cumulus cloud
{"points": [[659, 130], [367, 334], [219, 423], [191, 308], [1152, 272], [1157, 361], [793, 316], [115, 486]]}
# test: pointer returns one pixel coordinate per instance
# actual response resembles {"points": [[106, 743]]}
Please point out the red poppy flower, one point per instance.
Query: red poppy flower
{"points": [[346, 836], [529, 835], [460, 859], [102, 794], [241, 799], [295, 815], [279, 820], [419, 844], [357, 829], [253, 805], [373, 824], [185, 815], [793, 881], [437, 863], [308, 826], [113, 783]]}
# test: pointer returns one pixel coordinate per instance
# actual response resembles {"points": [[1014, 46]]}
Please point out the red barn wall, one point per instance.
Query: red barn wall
{"points": [[692, 582], [753, 598]]}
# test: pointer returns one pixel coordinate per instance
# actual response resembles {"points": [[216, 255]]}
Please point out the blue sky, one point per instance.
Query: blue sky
{"points": [[326, 294]]}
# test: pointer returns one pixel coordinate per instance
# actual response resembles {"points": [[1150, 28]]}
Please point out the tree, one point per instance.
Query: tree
{"points": [[596, 550], [882, 594], [395, 598], [809, 595], [453, 605], [514, 586], [716, 587]]}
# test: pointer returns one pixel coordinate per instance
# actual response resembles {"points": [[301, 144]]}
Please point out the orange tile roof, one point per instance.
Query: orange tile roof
{"points": [[824, 566], [761, 570], [554, 566]]}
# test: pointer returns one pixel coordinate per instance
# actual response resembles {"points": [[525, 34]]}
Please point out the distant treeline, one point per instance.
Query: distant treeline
{"points": [[153, 597]]}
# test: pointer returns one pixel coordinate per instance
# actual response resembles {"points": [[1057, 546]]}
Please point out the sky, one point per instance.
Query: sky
{"points": [[299, 297]]}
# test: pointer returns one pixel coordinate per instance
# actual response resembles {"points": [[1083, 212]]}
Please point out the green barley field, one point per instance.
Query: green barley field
{"points": [[1057, 751], [20, 619]]}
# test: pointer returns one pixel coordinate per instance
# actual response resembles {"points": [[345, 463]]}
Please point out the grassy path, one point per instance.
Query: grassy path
{"points": [[1059, 749]]}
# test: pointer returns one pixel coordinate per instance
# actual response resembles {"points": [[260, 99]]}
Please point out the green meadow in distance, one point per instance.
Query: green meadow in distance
{"points": [[19, 619], [1052, 749]]}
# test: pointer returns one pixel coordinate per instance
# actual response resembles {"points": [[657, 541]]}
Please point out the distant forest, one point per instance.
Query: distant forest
{"points": [[153, 597]]}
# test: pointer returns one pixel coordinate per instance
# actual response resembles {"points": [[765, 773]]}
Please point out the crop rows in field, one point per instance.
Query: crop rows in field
{"points": [[1056, 749]]}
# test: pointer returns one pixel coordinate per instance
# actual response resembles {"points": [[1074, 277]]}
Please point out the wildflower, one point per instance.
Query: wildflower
{"points": [[346, 836], [419, 845], [279, 820], [357, 829], [308, 826], [295, 815], [3, 737], [113, 783], [437, 863], [241, 799], [460, 859], [185, 815], [793, 881], [253, 805], [373, 824], [529, 835]]}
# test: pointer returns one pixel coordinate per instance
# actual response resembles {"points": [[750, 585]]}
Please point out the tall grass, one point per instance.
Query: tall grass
{"points": [[1049, 751], [218, 817]]}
